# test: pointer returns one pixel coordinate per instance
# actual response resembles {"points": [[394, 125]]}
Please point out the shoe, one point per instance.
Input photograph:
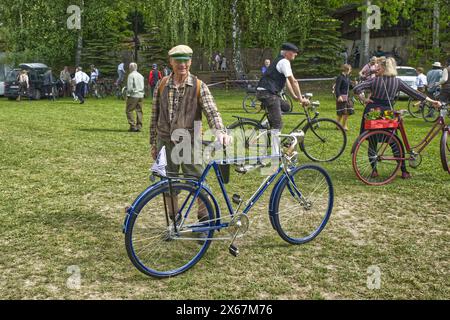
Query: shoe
{"points": [[406, 175], [132, 130], [374, 174], [81, 102]]}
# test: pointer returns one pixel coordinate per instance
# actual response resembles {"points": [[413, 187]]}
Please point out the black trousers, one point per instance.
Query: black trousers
{"points": [[274, 106], [79, 91]]}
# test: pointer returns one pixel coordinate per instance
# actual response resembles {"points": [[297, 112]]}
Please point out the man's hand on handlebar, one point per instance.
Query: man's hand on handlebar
{"points": [[223, 138], [305, 102]]}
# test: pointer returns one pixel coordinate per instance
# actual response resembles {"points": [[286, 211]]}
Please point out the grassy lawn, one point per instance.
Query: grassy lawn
{"points": [[68, 171]]}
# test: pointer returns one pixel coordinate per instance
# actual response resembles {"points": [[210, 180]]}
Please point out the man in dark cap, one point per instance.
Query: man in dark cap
{"points": [[278, 75]]}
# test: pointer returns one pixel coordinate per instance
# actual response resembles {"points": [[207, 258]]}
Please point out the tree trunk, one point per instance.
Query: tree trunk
{"points": [[79, 50], [365, 37], [436, 17], [236, 34]]}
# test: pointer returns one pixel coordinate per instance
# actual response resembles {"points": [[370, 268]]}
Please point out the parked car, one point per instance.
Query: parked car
{"points": [[36, 73], [409, 76]]}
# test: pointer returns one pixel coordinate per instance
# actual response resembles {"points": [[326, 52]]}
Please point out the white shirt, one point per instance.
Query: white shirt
{"points": [[421, 81], [121, 68], [135, 85], [80, 76], [284, 67]]}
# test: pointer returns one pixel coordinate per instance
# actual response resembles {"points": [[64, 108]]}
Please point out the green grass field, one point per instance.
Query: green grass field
{"points": [[69, 170]]}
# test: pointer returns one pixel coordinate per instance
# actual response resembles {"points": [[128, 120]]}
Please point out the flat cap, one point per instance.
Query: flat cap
{"points": [[181, 52], [289, 47]]}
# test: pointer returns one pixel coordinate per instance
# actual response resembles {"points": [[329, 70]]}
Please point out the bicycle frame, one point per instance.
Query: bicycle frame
{"points": [[439, 126], [200, 186]]}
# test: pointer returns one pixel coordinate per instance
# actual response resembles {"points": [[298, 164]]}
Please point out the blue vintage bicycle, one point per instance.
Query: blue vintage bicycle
{"points": [[170, 226]]}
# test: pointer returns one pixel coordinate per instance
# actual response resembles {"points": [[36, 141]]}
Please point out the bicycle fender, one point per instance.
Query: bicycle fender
{"points": [[357, 140], [130, 210]]}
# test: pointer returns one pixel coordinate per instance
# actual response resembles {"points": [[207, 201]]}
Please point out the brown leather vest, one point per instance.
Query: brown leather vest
{"points": [[185, 114]]}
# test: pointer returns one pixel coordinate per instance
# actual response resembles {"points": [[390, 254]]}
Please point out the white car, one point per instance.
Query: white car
{"points": [[409, 76]]}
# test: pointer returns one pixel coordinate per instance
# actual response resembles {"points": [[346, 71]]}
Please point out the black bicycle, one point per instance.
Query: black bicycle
{"points": [[324, 139], [253, 105]]}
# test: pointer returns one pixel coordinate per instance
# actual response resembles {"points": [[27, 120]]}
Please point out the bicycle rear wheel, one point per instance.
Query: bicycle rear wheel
{"points": [[251, 139], [429, 113], [303, 204], [414, 108], [445, 151], [155, 245], [325, 140], [376, 157], [251, 104]]}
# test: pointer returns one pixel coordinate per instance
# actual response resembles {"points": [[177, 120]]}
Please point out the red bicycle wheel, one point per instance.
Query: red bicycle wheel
{"points": [[445, 151], [376, 158]]}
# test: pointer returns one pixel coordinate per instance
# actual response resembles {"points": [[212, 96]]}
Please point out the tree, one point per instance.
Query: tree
{"points": [[321, 47]]}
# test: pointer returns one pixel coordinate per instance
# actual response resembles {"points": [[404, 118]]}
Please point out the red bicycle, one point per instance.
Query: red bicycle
{"points": [[378, 154]]}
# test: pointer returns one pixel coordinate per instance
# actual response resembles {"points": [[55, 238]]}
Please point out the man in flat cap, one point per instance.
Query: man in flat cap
{"points": [[178, 101], [278, 75]]}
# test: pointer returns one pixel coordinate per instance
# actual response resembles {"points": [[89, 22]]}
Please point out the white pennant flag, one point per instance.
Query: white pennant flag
{"points": [[159, 167]]}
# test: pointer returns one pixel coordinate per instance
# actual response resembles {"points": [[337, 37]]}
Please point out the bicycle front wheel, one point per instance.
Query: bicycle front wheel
{"points": [[325, 140], [445, 151], [162, 239], [303, 204], [377, 157], [429, 113], [251, 104]]}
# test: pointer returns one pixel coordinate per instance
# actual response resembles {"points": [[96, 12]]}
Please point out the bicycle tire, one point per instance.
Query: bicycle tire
{"points": [[148, 205], [362, 164], [299, 193], [289, 100], [429, 113], [445, 150], [250, 104], [247, 132], [325, 140], [414, 111]]}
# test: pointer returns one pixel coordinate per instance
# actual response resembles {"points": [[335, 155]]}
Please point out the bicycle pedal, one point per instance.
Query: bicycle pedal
{"points": [[233, 251], [237, 199]]}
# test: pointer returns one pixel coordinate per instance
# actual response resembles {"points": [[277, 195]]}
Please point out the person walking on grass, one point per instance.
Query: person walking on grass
{"points": [[344, 105], [135, 98], [153, 78], [81, 81]]}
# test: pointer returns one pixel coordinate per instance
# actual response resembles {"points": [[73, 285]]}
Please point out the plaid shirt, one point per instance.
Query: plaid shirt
{"points": [[206, 101]]}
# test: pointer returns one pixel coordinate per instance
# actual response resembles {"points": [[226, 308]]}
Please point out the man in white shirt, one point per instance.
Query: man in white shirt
{"points": [[135, 98], [121, 73], [81, 81], [272, 83]]}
